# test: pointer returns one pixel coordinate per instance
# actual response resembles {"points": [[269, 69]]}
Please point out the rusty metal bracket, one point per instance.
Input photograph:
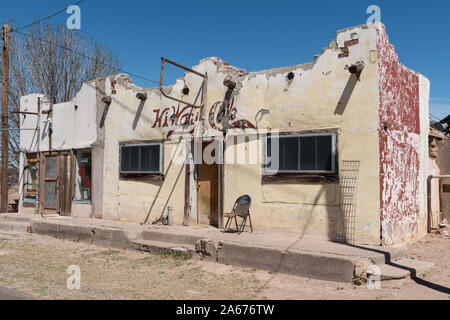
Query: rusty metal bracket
{"points": [[204, 76]]}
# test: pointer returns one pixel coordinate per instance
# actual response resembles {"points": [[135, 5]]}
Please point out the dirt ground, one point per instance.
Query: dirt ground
{"points": [[37, 265]]}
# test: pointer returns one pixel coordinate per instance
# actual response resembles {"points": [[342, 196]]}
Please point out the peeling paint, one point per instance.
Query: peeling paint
{"points": [[399, 145]]}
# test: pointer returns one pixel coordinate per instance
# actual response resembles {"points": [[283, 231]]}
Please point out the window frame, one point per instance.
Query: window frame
{"points": [[75, 162], [159, 173], [305, 173]]}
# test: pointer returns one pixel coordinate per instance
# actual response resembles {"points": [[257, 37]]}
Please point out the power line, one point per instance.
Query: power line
{"points": [[71, 50], [87, 57], [438, 119], [46, 18]]}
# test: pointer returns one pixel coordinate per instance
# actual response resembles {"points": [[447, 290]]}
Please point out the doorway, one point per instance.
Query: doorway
{"points": [[208, 192], [50, 176], [55, 183]]}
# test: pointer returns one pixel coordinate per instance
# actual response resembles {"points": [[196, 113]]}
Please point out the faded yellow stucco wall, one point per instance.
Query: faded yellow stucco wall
{"points": [[132, 199], [322, 95], [311, 102]]}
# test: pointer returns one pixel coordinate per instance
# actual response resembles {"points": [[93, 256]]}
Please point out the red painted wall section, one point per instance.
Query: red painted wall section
{"points": [[399, 145]]}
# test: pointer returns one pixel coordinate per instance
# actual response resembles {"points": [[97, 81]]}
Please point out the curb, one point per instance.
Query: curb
{"points": [[309, 264], [113, 238]]}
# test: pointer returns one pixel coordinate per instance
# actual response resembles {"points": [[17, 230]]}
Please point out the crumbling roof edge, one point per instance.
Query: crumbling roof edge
{"points": [[305, 66]]}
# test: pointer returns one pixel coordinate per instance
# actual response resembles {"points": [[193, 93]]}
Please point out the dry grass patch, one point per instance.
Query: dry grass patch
{"points": [[39, 267]]}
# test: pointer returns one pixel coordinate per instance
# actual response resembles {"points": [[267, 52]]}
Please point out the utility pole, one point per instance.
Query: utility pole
{"points": [[5, 137]]}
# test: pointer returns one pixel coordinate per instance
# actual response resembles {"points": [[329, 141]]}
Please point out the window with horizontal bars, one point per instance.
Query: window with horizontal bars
{"points": [[141, 158], [304, 153]]}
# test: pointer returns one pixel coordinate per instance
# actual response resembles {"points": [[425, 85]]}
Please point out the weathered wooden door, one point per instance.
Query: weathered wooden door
{"points": [[49, 187], [208, 194], [65, 184]]}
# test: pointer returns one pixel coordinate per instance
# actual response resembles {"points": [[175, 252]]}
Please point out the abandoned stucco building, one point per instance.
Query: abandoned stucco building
{"points": [[352, 129]]}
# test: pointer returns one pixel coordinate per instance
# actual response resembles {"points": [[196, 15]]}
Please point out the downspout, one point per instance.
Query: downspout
{"points": [[429, 196]]}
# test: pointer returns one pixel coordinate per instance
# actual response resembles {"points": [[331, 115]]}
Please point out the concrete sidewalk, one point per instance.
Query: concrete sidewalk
{"points": [[268, 251]]}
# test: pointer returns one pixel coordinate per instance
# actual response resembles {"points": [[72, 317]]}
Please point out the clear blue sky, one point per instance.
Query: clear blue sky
{"points": [[253, 35]]}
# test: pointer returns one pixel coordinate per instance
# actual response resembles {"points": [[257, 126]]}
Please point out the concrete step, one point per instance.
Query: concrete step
{"points": [[171, 237], [314, 265], [155, 247], [16, 217], [316, 260], [403, 269], [102, 236], [15, 227]]}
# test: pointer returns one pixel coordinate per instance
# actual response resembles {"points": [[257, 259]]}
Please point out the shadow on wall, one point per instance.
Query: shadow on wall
{"points": [[138, 114], [346, 94], [341, 225], [169, 168], [163, 184], [104, 114], [140, 109]]}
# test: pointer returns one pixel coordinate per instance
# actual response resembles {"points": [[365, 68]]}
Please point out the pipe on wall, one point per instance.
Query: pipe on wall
{"points": [[429, 196]]}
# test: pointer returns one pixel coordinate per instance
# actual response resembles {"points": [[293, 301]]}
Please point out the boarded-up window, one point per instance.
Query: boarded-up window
{"points": [[300, 154], [141, 159]]}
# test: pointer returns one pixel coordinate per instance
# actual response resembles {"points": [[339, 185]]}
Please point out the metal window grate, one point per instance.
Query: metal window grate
{"points": [[348, 177]]}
